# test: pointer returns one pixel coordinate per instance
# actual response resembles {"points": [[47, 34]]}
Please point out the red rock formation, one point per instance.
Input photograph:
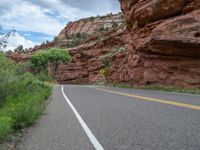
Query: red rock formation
{"points": [[164, 46], [160, 46], [93, 51], [90, 57], [90, 25], [20, 56], [43, 46]]}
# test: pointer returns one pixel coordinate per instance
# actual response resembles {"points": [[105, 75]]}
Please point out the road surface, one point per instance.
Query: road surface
{"points": [[92, 117]]}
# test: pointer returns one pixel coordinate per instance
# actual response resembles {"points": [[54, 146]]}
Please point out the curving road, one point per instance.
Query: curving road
{"points": [[91, 117]]}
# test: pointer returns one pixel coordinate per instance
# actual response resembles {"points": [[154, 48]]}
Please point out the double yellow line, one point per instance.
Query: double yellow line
{"points": [[184, 105]]}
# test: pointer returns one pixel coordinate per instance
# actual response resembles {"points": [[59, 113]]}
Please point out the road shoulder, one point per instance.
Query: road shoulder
{"points": [[58, 129]]}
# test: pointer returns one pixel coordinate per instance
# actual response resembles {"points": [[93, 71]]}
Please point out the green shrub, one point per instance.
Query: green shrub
{"points": [[101, 29], [55, 55], [21, 111], [7, 71], [5, 127], [114, 24], [25, 109], [76, 39], [73, 43], [21, 97]]}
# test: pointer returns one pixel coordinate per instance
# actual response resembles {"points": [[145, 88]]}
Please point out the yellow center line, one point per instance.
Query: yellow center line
{"points": [[157, 100]]}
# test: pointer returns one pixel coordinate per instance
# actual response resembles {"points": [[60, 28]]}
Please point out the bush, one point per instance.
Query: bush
{"points": [[101, 29], [5, 127], [25, 109], [114, 24], [43, 57], [21, 111], [21, 97], [6, 74], [73, 43]]}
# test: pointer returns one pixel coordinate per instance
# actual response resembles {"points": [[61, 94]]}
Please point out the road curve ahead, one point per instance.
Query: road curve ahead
{"points": [[103, 118]]}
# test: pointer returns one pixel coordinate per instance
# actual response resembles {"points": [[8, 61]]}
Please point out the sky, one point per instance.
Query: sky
{"points": [[36, 21]]}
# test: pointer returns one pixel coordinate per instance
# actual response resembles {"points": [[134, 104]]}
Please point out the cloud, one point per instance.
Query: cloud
{"points": [[49, 17], [16, 39], [28, 17], [73, 9]]}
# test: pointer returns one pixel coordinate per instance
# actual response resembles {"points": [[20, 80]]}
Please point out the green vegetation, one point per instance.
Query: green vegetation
{"points": [[114, 24], [122, 85], [55, 39], [21, 97], [73, 43], [55, 55], [112, 53], [157, 88], [44, 59], [102, 29], [92, 18], [20, 48], [172, 89], [4, 37], [76, 39]]}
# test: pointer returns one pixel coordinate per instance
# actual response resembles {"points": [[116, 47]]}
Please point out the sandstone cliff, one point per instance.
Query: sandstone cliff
{"points": [[87, 27], [161, 45], [164, 46], [92, 42], [90, 57]]}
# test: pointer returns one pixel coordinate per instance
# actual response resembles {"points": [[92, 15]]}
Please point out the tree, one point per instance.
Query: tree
{"points": [[101, 29], [43, 60], [114, 24], [19, 48], [56, 39], [4, 37]]}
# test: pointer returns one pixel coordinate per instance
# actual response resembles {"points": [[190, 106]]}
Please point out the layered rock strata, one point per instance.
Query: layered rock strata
{"points": [[165, 43]]}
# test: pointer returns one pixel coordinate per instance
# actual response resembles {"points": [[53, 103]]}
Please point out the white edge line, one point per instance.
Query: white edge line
{"points": [[89, 133]]}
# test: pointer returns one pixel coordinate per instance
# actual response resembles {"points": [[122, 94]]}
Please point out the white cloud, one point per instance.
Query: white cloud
{"points": [[37, 15], [74, 9], [25, 16], [15, 40], [47, 17]]}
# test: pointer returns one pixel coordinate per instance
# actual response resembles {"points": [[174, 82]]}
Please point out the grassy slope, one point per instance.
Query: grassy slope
{"points": [[22, 111]]}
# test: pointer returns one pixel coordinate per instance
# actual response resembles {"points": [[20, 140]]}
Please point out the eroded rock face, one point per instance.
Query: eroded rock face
{"points": [[161, 46], [91, 54], [164, 46], [20, 56], [142, 12], [89, 58], [91, 25]]}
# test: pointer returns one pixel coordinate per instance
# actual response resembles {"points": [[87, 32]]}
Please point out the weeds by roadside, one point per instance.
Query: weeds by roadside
{"points": [[21, 111], [21, 97], [172, 89], [157, 88]]}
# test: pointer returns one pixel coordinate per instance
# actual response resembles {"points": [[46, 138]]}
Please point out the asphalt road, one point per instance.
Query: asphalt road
{"points": [[87, 118]]}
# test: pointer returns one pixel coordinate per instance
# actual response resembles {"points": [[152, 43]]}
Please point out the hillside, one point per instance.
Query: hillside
{"points": [[89, 26], [160, 45], [92, 43]]}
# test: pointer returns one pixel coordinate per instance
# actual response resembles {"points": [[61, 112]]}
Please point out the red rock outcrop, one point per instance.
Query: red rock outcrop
{"points": [[93, 51], [90, 57], [19, 56], [43, 46], [164, 46], [74, 32], [161, 46], [91, 25]]}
